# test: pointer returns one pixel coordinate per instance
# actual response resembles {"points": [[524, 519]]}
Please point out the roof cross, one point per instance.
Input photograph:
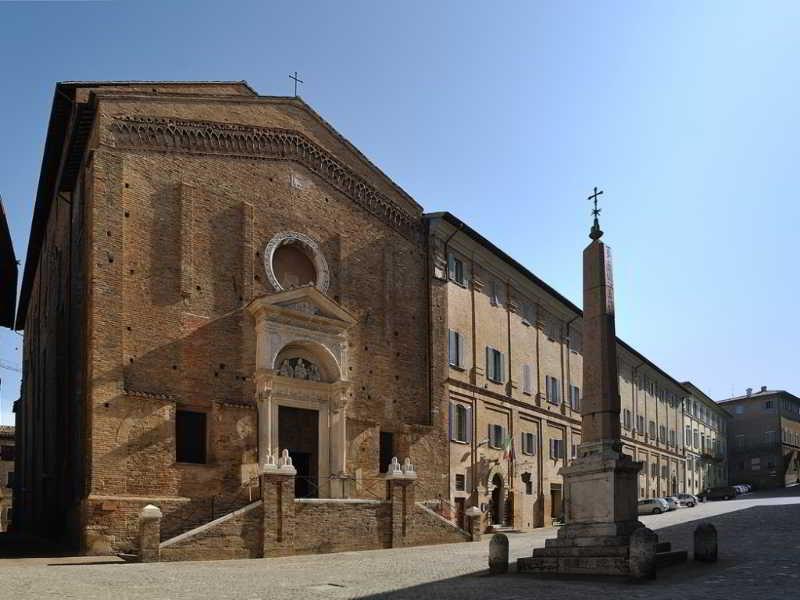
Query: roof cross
{"points": [[596, 232], [298, 80]]}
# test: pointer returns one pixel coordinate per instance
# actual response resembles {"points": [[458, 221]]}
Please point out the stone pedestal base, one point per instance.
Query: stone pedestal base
{"points": [[601, 514]]}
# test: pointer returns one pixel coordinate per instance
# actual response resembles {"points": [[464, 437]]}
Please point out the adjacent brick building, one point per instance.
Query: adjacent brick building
{"points": [[764, 438], [6, 475], [509, 349]]}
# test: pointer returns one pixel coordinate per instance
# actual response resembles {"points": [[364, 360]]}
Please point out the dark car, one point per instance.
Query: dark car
{"points": [[725, 492]]}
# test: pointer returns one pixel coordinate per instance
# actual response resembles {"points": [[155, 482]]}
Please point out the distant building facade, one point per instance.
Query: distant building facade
{"points": [[7, 449], [764, 438], [705, 436]]}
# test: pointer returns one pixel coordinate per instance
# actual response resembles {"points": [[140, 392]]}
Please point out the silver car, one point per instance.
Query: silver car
{"points": [[672, 502], [653, 506], [687, 500]]}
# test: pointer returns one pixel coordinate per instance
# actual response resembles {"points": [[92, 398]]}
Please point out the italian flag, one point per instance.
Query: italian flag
{"points": [[508, 448]]}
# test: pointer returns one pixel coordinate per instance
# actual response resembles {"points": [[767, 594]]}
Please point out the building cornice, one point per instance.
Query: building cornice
{"points": [[247, 141]]}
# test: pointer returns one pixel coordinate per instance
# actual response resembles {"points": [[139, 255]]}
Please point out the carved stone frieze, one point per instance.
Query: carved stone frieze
{"points": [[208, 137]]}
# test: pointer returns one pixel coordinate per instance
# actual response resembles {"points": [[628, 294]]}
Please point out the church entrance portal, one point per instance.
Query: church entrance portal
{"points": [[298, 431]]}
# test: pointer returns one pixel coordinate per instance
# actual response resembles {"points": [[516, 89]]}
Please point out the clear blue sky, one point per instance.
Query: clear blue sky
{"points": [[507, 114]]}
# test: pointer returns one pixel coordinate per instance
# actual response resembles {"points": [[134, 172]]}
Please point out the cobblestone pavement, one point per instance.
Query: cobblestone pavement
{"points": [[759, 540]]}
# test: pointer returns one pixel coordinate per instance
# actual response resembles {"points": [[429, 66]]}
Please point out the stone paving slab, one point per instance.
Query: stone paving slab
{"points": [[759, 558]]}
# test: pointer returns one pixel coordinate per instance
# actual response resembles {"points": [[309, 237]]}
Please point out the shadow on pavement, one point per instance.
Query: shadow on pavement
{"points": [[759, 554]]}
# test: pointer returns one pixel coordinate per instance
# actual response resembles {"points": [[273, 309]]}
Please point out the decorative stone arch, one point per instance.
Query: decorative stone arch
{"points": [[309, 246], [312, 352]]}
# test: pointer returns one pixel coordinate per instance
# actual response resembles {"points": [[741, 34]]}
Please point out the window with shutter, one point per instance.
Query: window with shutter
{"points": [[495, 365], [455, 346], [456, 270], [526, 379], [553, 390]]}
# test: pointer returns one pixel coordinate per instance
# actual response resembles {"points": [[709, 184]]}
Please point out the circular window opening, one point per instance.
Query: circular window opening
{"points": [[293, 267], [293, 260]]}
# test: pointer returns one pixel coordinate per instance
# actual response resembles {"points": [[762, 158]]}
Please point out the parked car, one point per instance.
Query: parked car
{"points": [[653, 506], [725, 492], [672, 502], [743, 488], [687, 500]]}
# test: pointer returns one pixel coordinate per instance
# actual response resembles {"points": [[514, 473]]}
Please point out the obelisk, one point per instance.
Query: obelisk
{"points": [[600, 485]]}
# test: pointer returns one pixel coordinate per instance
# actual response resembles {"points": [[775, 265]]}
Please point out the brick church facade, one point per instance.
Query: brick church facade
{"points": [[215, 277], [210, 269]]}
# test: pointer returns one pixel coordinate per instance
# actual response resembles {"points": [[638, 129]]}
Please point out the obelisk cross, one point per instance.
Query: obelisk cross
{"points": [[596, 233], [297, 80]]}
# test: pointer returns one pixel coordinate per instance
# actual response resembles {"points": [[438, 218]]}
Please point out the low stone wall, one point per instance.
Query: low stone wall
{"points": [[323, 525], [112, 522], [426, 527], [236, 535]]}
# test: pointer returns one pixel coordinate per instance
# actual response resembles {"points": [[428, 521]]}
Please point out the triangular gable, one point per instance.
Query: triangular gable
{"points": [[307, 300]]}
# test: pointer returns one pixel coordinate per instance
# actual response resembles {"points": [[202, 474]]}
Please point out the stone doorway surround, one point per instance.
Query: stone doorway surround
{"points": [[303, 326]]}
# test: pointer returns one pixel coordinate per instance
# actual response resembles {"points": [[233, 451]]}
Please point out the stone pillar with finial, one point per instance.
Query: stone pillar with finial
{"points": [[600, 485]]}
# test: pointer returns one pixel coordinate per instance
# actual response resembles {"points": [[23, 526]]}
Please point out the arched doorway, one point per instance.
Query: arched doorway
{"points": [[498, 500]]}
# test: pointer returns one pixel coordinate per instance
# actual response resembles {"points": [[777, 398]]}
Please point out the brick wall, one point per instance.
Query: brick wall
{"points": [[340, 525]]}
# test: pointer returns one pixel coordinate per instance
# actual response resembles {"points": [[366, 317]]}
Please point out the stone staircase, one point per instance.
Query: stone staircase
{"points": [[592, 555]]}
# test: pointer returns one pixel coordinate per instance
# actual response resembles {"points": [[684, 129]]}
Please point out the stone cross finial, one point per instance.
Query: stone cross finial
{"points": [[285, 462], [394, 469], [408, 469], [596, 232], [269, 463]]}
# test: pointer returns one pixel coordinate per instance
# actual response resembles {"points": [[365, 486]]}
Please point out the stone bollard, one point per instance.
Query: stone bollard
{"points": [[474, 514], [498, 554], [642, 560], [150, 534], [705, 543]]}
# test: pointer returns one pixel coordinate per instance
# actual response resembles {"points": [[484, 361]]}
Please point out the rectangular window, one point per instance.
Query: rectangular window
{"points": [[460, 422], [640, 423], [653, 470], [553, 390], [556, 448], [496, 436], [696, 439], [528, 443], [386, 450], [495, 365], [740, 441], [740, 410], [461, 482], [7, 453], [627, 419], [575, 342], [664, 471], [456, 270], [688, 436], [755, 464], [455, 349], [662, 433], [528, 313], [768, 405], [652, 427], [573, 450], [575, 397], [190, 437], [494, 292], [672, 437], [526, 379]]}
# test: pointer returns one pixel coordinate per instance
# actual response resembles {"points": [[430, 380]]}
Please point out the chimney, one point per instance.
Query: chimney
{"points": [[749, 391], [763, 388]]}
